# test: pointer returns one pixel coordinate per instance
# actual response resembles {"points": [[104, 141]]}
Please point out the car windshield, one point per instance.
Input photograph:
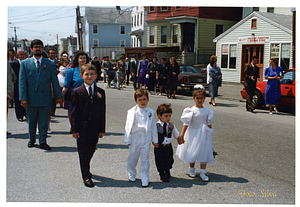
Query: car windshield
{"points": [[188, 69], [288, 77]]}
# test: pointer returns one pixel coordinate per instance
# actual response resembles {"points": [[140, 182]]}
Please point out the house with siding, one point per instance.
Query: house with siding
{"points": [[138, 26], [105, 27], [261, 34], [189, 28]]}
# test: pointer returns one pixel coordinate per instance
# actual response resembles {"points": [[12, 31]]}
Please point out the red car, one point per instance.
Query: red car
{"points": [[188, 77], [288, 90]]}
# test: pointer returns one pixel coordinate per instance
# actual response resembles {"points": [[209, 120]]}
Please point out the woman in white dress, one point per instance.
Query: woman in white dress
{"points": [[197, 134]]}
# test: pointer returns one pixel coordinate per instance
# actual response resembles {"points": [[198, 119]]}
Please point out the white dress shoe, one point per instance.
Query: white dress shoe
{"points": [[192, 172], [132, 179], [203, 176]]}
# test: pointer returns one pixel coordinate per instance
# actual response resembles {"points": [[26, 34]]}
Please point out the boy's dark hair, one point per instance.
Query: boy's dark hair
{"points": [[164, 108], [36, 42], [139, 93], [199, 91], [163, 58], [87, 66]]}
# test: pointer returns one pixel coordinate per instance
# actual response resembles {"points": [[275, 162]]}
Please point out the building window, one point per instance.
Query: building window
{"points": [[134, 21], [163, 36], [95, 29], [228, 56], [95, 43], [175, 34], [131, 21], [285, 56], [283, 53], [232, 57], [224, 56], [177, 7], [255, 8], [152, 9], [141, 19], [253, 23], [270, 9], [219, 29], [151, 35], [122, 29], [164, 8], [122, 43], [275, 50]]}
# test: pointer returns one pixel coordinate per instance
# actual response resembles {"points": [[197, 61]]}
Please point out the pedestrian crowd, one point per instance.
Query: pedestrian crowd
{"points": [[39, 83], [144, 73]]}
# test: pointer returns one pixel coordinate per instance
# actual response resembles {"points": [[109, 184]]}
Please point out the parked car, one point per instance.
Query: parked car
{"points": [[288, 87], [188, 77]]}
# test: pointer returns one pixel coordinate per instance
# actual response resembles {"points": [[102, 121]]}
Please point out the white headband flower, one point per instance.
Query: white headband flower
{"points": [[199, 86]]}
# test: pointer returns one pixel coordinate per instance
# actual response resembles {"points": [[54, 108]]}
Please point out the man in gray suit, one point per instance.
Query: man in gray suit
{"points": [[35, 78]]}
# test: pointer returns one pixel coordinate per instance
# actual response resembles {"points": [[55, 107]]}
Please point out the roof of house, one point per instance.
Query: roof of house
{"points": [[103, 15], [281, 21]]}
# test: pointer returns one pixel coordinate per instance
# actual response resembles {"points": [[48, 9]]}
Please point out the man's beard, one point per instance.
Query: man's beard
{"points": [[37, 54]]}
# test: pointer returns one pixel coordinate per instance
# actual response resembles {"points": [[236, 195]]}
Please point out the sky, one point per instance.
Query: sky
{"points": [[45, 22]]}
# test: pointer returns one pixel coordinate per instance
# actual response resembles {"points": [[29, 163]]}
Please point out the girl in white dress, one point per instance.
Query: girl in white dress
{"points": [[196, 131]]}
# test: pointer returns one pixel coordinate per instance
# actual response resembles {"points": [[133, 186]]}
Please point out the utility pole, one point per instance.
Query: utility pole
{"points": [[15, 40], [294, 38], [79, 28]]}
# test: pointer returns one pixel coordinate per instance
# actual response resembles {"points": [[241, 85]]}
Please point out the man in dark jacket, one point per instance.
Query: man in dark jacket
{"points": [[251, 75]]}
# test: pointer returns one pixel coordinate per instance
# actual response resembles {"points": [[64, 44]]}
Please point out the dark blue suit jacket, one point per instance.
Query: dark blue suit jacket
{"points": [[88, 117]]}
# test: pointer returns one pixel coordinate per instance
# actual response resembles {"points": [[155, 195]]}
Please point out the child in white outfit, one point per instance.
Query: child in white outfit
{"points": [[197, 133], [140, 131]]}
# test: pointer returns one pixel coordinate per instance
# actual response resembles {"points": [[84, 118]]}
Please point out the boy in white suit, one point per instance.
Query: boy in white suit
{"points": [[140, 131]]}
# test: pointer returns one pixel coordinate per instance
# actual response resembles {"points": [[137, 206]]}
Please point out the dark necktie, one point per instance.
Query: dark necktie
{"points": [[38, 66], [91, 92], [165, 130]]}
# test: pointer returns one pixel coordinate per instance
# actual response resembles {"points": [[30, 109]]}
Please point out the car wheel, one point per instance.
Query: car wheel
{"points": [[257, 99]]}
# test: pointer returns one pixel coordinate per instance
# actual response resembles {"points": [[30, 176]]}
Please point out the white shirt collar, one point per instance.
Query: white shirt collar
{"points": [[162, 123], [142, 109], [87, 88], [40, 60]]}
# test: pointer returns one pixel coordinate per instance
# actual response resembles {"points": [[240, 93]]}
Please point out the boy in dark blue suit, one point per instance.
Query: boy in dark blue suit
{"points": [[87, 119]]}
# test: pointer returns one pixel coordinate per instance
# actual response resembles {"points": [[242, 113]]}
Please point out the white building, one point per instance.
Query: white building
{"points": [[138, 26], [265, 35]]}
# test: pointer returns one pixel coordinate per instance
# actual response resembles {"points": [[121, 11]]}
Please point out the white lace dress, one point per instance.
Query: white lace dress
{"points": [[198, 147]]}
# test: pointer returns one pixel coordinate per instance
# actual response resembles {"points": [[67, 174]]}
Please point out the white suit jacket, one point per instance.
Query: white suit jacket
{"points": [[151, 129]]}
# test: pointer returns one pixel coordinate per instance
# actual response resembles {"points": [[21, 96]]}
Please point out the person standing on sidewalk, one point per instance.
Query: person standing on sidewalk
{"points": [[251, 75], [36, 75]]}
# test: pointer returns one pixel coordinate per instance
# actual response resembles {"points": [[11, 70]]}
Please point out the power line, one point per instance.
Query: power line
{"points": [[34, 18], [21, 16]]}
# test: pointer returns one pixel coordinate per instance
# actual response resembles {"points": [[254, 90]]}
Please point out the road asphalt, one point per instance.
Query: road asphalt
{"points": [[254, 165]]}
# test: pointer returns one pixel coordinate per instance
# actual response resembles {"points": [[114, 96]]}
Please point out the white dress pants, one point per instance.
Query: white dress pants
{"points": [[139, 146]]}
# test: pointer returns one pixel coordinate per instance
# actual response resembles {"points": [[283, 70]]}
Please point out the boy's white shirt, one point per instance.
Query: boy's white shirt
{"points": [[151, 130], [175, 133]]}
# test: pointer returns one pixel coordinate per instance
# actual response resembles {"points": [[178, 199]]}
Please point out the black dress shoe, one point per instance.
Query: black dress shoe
{"points": [[44, 146], [88, 183], [30, 144]]}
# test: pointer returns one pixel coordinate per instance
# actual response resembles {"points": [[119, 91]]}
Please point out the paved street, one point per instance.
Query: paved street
{"points": [[255, 165]]}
